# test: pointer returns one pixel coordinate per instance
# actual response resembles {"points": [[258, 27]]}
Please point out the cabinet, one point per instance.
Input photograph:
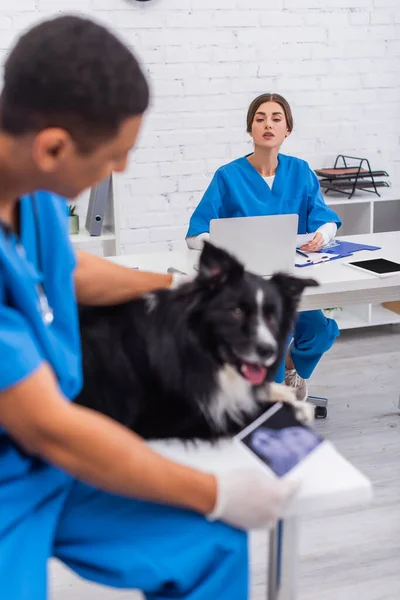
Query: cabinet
{"points": [[366, 213]]}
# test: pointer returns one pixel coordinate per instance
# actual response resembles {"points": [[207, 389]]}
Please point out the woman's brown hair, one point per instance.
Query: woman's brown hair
{"points": [[255, 105]]}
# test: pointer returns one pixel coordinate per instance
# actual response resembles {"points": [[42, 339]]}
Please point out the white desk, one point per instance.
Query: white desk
{"points": [[360, 294], [339, 285], [329, 481]]}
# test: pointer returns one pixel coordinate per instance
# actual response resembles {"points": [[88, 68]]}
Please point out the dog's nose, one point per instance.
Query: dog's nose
{"points": [[265, 351]]}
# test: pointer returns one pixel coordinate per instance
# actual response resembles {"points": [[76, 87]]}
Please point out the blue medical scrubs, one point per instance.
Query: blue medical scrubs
{"points": [[165, 552], [238, 190]]}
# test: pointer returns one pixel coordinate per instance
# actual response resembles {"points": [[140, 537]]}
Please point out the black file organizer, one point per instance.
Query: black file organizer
{"points": [[346, 178]]}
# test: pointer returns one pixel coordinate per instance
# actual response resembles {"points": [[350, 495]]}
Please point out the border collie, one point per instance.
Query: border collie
{"points": [[196, 362]]}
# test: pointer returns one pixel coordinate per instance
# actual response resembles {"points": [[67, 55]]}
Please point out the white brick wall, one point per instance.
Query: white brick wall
{"points": [[336, 61]]}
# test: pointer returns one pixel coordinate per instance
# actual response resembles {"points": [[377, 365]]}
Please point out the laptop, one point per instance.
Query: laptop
{"points": [[264, 245]]}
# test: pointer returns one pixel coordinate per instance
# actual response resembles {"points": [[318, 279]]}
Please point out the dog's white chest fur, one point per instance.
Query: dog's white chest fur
{"points": [[233, 398], [151, 302]]}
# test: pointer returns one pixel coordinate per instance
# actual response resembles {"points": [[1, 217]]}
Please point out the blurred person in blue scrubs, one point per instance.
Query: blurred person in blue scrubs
{"points": [[73, 483], [267, 182]]}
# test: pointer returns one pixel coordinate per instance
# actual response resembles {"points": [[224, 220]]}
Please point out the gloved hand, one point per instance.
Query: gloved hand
{"points": [[179, 279], [250, 499]]}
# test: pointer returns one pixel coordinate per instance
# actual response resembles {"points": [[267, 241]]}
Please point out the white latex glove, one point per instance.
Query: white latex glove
{"points": [[179, 279], [196, 242], [250, 499]]}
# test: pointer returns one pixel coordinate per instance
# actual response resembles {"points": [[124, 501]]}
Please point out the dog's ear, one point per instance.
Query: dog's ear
{"points": [[217, 266], [292, 287]]}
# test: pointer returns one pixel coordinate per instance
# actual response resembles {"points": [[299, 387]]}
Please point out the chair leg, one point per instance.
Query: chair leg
{"points": [[284, 561], [321, 406]]}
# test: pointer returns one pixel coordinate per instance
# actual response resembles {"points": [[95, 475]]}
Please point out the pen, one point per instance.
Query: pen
{"points": [[303, 254]]}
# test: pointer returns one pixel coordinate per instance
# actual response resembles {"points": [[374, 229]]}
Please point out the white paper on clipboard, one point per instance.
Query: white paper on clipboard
{"points": [[303, 238]]}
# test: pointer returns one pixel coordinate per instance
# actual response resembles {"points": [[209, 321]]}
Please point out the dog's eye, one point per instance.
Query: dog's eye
{"points": [[269, 311], [238, 313], [270, 314]]}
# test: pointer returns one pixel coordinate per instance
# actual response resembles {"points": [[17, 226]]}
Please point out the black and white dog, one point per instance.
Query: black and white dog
{"points": [[194, 362]]}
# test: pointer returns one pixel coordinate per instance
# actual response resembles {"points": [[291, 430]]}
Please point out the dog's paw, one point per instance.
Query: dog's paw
{"points": [[304, 412], [278, 392]]}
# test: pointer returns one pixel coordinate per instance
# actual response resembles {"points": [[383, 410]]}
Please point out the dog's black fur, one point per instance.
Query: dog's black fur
{"points": [[166, 365]]}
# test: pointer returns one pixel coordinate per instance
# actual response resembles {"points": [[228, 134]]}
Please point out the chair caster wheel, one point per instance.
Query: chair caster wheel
{"points": [[320, 412]]}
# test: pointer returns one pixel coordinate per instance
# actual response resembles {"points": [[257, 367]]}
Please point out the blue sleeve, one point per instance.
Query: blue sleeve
{"points": [[19, 354], [209, 207], [318, 213]]}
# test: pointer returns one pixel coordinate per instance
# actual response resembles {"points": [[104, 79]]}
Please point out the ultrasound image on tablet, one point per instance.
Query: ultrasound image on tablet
{"points": [[279, 440]]}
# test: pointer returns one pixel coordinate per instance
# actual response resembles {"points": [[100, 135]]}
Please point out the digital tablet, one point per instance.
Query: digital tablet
{"points": [[278, 440], [381, 267]]}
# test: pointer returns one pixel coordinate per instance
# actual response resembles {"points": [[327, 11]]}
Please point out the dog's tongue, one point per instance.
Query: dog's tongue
{"points": [[254, 373]]}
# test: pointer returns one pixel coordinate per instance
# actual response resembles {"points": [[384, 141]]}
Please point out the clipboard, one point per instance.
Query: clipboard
{"points": [[315, 261], [338, 249], [348, 248]]}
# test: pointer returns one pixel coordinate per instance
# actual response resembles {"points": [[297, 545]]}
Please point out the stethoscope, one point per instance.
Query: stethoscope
{"points": [[45, 309], [44, 306]]}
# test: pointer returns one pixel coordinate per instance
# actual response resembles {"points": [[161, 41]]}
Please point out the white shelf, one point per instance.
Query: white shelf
{"points": [[366, 213], [84, 237], [345, 200], [379, 316], [383, 316], [387, 195], [348, 320], [387, 199]]}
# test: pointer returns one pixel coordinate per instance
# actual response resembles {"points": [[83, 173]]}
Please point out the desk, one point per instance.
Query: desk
{"points": [[338, 483], [339, 285]]}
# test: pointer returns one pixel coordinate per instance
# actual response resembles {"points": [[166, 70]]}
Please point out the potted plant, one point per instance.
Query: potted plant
{"points": [[333, 312], [73, 220]]}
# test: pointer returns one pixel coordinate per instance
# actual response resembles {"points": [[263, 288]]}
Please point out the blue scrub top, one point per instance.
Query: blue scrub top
{"points": [[25, 340], [238, 190]]}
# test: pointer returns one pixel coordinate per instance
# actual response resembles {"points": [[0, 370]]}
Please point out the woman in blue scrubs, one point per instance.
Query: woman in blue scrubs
{"points": [[73, 483], [267, 182]]}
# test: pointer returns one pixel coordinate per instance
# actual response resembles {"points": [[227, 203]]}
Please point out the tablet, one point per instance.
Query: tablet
{"points": [[278, 440], [377, 266]]}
